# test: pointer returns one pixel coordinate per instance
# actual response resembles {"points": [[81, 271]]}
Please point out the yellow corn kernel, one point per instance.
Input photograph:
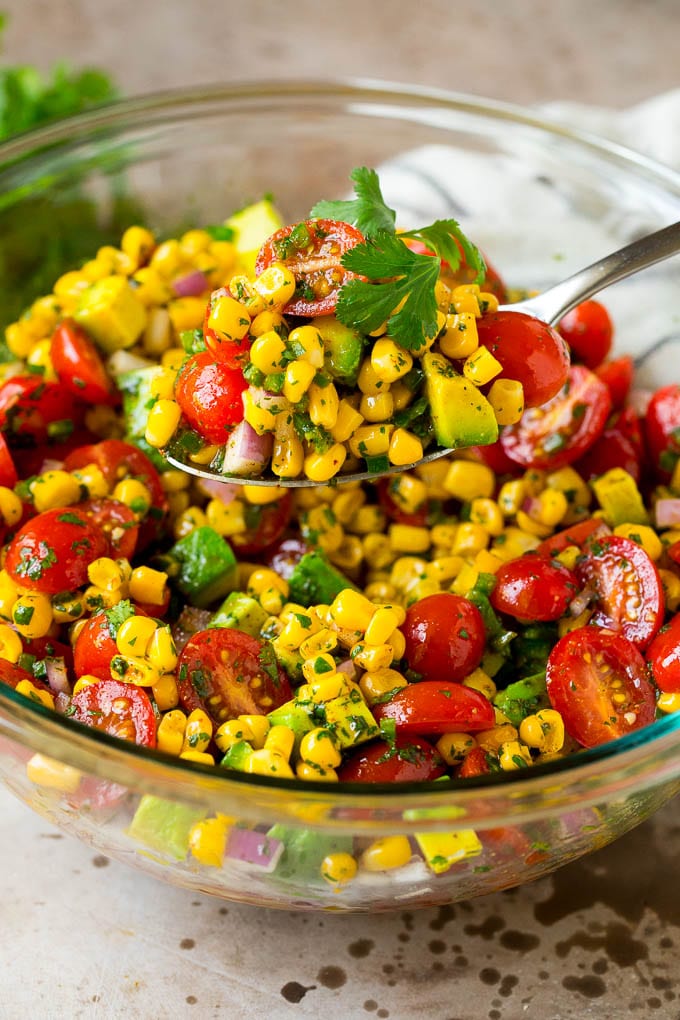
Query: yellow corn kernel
{"points": [[265, 322], [226, 519], [36, 694], [544, 731], [465, 580], [488, 302], [54, 489], [352, 610], [266, 763], [480, 681], [96, 598], [368, 381], [162, 422], [166, 692], [319, 467], [409, 538], [92, 478], [491, 740], [569, 481], [280, 740], [377, 408], [19, 339], [487, 562], [267, 353], [323, 405], [307, 343], [53, 775], [318, 668], [454, 746], [315, 773], [231, 732], [11, 646], [375, 684], [466, 480], [86, 680], [339, 868], [389, 361], [516, 542], [260, 418], [531, 525], [161, 650], [134, 494], [134, 635], [371, 657], [229, 319], [275, 286], [32, 615], [506, 397], [106, 573], [71, 284], [644, 536], [405, 448], [329, 687], [258, 728], [138, 244], [194, 241], [386, 853], [208, 841], [668, 702], [299, 376], [200, 757], [318, 747], [150, 287], [133, 669], [198, 731], [550, 507], [171, 729], [188, 520], [377, 550], [44, 313], [445, 568], [40, 360], [460, 338], [569, 623], [11, 507], [465, 298], [401, 395], [406, 571], [569, 556], [470, 539], [487, 514], [287, 452], [671, 589], [513, 755], [481, 367], [407, 491], [148, 586], [186, 313], [511, 496], [371, 440], [367, 520], [347, 422], [382, 625]]}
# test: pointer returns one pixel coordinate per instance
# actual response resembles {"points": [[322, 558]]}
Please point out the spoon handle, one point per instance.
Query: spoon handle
{"points": [[552, 304]]}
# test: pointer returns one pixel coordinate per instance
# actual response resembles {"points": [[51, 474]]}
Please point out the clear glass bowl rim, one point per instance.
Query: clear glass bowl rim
{"points": [[92, 750]]}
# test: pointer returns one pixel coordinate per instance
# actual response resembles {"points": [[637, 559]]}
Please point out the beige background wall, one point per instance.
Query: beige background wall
{"points": [[615, 52]]}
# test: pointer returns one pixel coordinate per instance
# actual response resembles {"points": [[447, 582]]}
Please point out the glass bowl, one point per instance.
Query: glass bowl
{"points": [[542, 201]]}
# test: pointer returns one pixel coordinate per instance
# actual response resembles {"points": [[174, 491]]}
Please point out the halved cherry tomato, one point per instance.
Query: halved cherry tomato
{"points": [[233, 354], [662, 429], [11, 674], [407, 760], [575, 534], [673, 552], [117, 521], [444, 637], [588, 330], [51, 552], [613, 450], [495, 457], [209, 394], [617, 375], [228, 673], [533, 588], [663, 656], [312, 250], [529, 350], [49, 648], [435, 706], [32, 408], [559, 433], [475, 763], [8, 472], [264, 526], [285, 555], [416, 518], [598, 683], [79, 366], [627, 585], [119, 709], [96, 646]]}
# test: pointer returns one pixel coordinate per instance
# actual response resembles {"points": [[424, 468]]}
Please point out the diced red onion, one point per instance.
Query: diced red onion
{"points": [[268, 401], [348, 668], [246, 453], [638, 400], [531, 505], [121, 362], [224, 491], [51, 465], [57, 676], [667, 512], [251, 847], [193, 284], [580, 602]]}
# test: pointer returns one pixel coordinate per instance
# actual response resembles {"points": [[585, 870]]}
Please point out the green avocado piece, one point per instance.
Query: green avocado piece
{"points": [[343, 349], [137, 402], [461, 414], [305, 850], [314, 581], [237, 756], [164, 825], [240, 612], [523, 698], [289, 660], [207, 566]]}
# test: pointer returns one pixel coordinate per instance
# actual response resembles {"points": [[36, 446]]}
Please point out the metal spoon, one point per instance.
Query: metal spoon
{"points": [[550, 307]]}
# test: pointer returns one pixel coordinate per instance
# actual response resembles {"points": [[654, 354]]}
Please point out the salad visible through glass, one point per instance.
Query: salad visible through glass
{"points": [[505, 605]]}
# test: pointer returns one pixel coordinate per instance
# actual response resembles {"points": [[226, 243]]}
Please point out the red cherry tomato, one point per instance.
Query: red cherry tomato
{"points": [[559, 433], [617, 375], [663, 656], [598, 683], [31, 407], [629, 424], [575, 534], [312, 250], [228, 673], [407, 760], [209, 394], [265, 526], [285, 555], [232, 353], [533, 588], [51, 552], [78, 365], [119, 709], [434, 706], [11, 674], [629, 592], [475, 763], [588, 330], [96, 646], [8, 472], [117, 521], [673, 552], [529, 350], [416, 518], [613, 450], [662, 429], [444, 637], [495, 457]]}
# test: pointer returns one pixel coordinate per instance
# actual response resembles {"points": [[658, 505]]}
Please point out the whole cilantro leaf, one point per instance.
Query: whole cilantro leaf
{"points": [[441, 237], [368, 212]]}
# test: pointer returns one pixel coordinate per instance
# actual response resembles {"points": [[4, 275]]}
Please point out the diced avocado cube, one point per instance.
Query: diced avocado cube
{"points": [[296, 717], [343, 349], [461, 414], [442, 850], [207, 566], [523, 698], [288, 659], [137, 402], [305, 850], [236, 757], [240, 612], [315, 581], [620, 498], [111, 313], [252, 226], [164, 825], [350, 719]]}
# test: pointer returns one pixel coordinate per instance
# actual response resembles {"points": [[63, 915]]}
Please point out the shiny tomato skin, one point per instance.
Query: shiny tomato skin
{"points": [[210, 396], [617, 375], [581, 672], [588, 330], [284, 556], [559, 433], [408, 760], [662, 430], [529, 350], [613, 450], [495, 457], [663, 657], [575, 534], [228, 673], [266, 525], [316, 266], [95, 647], [533, 588], [51, 552], [475, 763], [117, 521], [232, 353], [444, 636], [628, 589], [11, 674], [434, 706], [79, 366], [119, 709], [492, 282], [8, 472], [29, 406]]}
